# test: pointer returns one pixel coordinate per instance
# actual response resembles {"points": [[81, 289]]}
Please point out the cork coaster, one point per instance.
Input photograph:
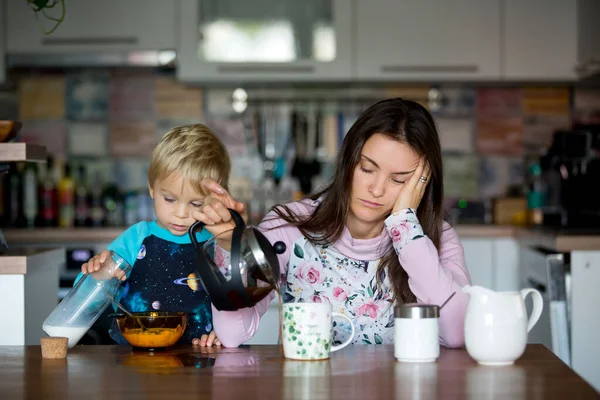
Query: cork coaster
{"points": [[54, 347]]}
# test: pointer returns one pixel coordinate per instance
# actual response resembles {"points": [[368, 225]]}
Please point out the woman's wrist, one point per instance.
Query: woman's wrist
{"points": [[403, 226], [404, 211]]}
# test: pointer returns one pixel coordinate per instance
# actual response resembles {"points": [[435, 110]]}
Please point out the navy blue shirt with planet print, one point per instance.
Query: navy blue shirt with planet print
{"points": [[162, 277]]}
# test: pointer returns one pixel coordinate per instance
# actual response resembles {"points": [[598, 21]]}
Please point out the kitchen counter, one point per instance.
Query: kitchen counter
{"points": [[260, 372], [560, 240], [29, 281], [554, 239], [21, 261]]}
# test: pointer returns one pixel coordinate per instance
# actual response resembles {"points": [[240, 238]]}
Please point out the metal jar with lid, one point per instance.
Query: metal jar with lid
{"points": [[416, 332]]}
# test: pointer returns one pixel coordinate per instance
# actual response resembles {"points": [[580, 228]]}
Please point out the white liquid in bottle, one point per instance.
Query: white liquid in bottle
{"points": [[73, 333]]}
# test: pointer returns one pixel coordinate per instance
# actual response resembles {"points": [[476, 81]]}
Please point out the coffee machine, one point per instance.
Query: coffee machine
{"points": [[571, 175]]}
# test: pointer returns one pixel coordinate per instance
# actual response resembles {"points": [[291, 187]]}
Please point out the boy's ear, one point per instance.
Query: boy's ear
{"points": [[151, 191]]}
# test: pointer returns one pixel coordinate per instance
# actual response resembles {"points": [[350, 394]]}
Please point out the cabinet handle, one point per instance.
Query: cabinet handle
{"points": [[429, 68], [89, 41], [265, 69]]}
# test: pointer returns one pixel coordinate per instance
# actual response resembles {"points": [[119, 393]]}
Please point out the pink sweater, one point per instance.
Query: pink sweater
{"points": [[344, 274]]}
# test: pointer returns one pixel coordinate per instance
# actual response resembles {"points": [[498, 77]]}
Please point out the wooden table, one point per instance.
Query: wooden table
{"points": [[260, 372]]}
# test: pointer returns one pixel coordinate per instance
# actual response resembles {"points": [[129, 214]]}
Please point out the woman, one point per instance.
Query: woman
{"points": [[373, 238]]}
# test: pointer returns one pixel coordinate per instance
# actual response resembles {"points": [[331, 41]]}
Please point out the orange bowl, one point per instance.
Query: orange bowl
{"points": [[153, 329]]}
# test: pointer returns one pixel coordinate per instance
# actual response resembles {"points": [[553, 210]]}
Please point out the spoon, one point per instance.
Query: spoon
{"points": [[116, 303], [447, 300]]}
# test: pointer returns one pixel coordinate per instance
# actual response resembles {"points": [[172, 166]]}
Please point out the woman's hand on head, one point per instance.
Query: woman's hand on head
{"points": [[412, 192], [214, 210]]}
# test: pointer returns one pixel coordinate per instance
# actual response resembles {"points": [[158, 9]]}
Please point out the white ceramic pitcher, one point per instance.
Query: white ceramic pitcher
{"points": [[496, 324]]}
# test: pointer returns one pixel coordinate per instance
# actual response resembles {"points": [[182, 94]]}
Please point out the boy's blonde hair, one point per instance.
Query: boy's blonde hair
{"points": [[194, 152]]}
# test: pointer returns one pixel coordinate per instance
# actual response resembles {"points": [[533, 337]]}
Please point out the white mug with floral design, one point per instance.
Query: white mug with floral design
{"points": [[308, 330]]}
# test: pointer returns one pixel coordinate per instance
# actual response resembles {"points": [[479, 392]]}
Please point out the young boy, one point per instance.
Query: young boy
{"points": [[160, 252]]}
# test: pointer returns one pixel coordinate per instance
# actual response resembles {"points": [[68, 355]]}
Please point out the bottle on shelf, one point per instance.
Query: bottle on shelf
{"points": [[82, 214], [66, 195], [96, 206], [48, 198], [14, 197], [113, 205], [536, 195], [30, 194]]}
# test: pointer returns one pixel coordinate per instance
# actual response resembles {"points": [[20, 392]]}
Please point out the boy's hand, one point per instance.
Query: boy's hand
{"points": [[95, 263], [214, 211], [207, 340]]}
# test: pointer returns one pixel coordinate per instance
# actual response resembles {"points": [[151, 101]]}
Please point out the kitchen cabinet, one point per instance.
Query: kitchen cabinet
{"points": [[493, 262], [506, 275], [231, 41], [539, 40], [2, 42], [479, 258], [427, 40], [567, 325], [28, 283], [585, 347], [588, 40], [93, 26]]}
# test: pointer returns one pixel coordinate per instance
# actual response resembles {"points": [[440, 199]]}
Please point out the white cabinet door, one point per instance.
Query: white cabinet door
{"points": [[479, 260], [237, 41], [506, 265], [427, 39], [540, 39], [90, 25]]}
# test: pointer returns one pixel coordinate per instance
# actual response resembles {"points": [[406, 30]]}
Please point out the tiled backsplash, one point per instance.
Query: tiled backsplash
{"points": [[110, 120]]}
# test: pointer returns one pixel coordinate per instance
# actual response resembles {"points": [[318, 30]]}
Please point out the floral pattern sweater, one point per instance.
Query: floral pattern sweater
{"points": [[344, 274]]}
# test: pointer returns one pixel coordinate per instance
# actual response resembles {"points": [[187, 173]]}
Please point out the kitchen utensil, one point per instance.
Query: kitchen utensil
{"points": [[237, 268], [496, 324], [88, 299], [305, 131], [162, 329], [416, 332], [447, 300], [116, 303]]}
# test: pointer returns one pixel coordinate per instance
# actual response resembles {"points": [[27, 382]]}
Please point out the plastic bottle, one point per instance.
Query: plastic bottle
{"points": [[88, 299]]}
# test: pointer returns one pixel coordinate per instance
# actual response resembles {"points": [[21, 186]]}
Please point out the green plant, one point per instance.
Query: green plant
{"points": [[41, 6]]}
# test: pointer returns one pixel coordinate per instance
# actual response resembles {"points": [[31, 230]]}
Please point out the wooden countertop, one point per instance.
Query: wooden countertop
{"points": [[485, 231], [61, 235], [19, 261], [22, 152], [260, 372]]}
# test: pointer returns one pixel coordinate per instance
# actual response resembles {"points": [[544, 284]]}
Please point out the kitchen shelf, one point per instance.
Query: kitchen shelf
{"points": [[61, 236], [12, 152]]}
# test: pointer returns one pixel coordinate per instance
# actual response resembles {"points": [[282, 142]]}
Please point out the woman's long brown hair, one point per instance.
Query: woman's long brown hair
{"points": [[405, 121]]}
